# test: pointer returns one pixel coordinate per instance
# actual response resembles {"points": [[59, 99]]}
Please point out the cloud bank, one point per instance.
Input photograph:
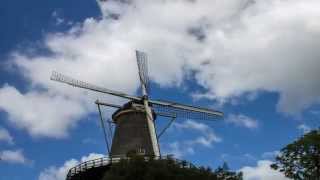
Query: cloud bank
{"points": [[261, 172], [232, 48]]}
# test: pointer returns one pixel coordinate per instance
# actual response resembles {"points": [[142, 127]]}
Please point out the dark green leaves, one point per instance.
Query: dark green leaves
{"points": [[301, 159]]}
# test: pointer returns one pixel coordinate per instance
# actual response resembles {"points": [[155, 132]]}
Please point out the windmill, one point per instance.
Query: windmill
{"points": [[135, 121]]}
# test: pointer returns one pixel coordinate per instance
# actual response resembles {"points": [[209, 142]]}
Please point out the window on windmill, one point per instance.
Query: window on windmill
{"points": [[141, 151]]}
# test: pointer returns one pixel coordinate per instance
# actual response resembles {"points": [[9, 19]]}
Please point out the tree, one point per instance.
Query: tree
{"points": [[301, 159], [142, 168]]}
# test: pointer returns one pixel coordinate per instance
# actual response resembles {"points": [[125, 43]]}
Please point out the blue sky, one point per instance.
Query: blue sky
{"points": [[255, 61]]}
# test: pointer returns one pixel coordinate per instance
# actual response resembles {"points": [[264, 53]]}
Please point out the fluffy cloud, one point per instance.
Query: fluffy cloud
{"points": [[234, 47], [242, 120], [261, 172], [60, 173], [270, 46], [193, 125], [13, 156], [5, 136], [49, 108], [205, 137], [40, 113], [178, 149]]}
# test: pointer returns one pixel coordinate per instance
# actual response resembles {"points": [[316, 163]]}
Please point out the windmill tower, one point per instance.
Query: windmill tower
{"points": [[135, 129], [135, 121]]}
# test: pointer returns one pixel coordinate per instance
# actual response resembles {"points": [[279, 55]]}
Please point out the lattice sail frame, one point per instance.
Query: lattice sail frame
{"points": [[181, 113], [142, 61]]}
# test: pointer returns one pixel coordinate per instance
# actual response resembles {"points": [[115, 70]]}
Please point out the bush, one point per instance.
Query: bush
{"points": [[139, 168]]}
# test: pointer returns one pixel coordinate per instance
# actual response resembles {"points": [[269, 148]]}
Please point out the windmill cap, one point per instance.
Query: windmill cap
{"points": [[132, 106]]}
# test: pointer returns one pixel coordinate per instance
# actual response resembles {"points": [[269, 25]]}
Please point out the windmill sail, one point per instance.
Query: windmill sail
{"points": [[142, 61], [185, 111], [84, 85], [159, 106]]}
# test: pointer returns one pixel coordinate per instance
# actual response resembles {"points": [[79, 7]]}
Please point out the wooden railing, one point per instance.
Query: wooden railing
{"points": [[84, 166], [105, 161]]}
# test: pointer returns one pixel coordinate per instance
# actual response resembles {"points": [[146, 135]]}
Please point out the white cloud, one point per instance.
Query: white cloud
{"points": [[178, 149], [13, 156], [193, 125], [270, 46], [242, 120], [39, 112], [205, 137], [5, 136], [234, 47], [206, 140], [49, 108], [60, 173], [304, 128], [261, 172]]}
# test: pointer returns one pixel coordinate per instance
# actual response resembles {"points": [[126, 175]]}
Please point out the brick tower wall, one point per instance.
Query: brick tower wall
{"points": [[131, 133]]}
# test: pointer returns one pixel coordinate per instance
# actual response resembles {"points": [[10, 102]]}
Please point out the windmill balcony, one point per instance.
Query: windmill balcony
{"points": [[93, 169]]}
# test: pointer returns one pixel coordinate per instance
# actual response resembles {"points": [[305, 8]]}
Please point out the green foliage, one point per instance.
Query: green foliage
{"points": [[138, 168], [301, 159]]}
